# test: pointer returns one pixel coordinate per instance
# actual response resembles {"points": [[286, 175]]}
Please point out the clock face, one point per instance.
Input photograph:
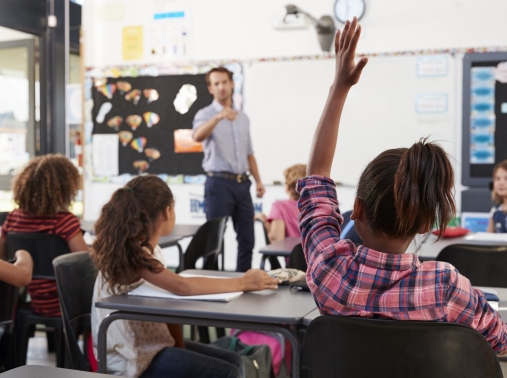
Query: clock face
{"points": [[345, 10]]}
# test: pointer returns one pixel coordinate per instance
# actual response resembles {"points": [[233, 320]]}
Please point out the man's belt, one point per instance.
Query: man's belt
{"points": [[231, 176]]}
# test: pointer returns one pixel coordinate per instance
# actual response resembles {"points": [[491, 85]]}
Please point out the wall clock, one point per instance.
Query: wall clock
{"points": [[345, 10]]}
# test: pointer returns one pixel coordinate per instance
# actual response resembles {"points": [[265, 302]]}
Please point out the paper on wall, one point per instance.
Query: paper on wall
{"points": [[105, 154]]}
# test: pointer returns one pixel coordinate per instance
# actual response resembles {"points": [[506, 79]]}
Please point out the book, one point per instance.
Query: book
{"points": [[149, 290]]}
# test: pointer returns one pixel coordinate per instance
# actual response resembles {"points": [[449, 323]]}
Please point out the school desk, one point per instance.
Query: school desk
{"points": [[281, 310], [34, 371], [279, 248]]}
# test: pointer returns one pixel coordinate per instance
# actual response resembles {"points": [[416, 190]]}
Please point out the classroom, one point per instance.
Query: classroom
{"points": [[231, 188]]}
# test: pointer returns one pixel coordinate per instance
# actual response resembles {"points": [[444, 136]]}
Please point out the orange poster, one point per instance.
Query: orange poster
{"points": [[184, 143]]}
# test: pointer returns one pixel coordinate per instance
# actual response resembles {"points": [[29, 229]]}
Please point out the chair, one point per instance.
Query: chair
{"points": [[297, 259], [206, 244], [43, 248], [75, 277], [3, 216], [273, 260], [338, 346], [9, 301], [483, 265]]}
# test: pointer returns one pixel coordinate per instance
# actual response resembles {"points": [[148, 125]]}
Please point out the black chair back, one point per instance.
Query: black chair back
{"points": [[3, 216], [483, 265], [206, 243], [337, 346], [75, 278], [42, 247], [9, 302], [297, 259]]}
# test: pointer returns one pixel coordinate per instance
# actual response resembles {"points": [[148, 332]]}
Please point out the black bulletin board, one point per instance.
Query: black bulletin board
{"points": [[161, 135]]}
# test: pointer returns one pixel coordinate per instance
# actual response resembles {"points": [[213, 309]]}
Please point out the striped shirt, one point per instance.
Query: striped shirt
{"points": [[350, 281], [43, 292]]}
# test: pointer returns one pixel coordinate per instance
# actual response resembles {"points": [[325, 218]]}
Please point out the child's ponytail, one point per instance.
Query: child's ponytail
{"points": [[406, 190], [124, 229]]}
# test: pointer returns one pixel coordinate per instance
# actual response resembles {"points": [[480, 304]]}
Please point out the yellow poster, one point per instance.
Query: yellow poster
{"points": [[133, 43]]}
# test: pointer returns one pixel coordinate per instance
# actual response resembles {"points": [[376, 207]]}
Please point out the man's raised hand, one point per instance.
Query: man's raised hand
{"points": [[347, 71]]}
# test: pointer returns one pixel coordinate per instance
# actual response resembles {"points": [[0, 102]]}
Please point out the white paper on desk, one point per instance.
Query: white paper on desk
{"points": [[149, 290], [487, 236], [105, 154]]}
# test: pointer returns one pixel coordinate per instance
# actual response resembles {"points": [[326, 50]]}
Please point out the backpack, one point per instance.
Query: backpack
{"points": [[256, 358]]}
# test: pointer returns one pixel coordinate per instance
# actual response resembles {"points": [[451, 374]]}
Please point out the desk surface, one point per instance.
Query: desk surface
{"points": [[431, 247], [29, 371], [281, 306], [281, 247]]}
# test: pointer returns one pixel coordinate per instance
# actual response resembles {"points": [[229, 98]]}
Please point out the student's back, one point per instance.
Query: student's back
{"points": [[43, 191], [401, 193]]}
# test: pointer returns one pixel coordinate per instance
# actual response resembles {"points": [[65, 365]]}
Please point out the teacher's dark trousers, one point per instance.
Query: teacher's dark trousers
{"points": [[226, 197]]}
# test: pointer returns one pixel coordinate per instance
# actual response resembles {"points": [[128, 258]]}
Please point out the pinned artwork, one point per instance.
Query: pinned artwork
{"points": [[125, 137], [151, 118], [123, 86], [104, 109], [151, 95], [134, 121], [185, 98], [184, 143], [115, 122], [152, 153], [138, 144], [134, 96], [107, 90], [141, 165]]}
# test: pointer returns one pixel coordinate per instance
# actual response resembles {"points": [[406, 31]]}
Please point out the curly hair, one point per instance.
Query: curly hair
{"points": [[495, 197], [124, 229], [292, 175], [46, 186]]}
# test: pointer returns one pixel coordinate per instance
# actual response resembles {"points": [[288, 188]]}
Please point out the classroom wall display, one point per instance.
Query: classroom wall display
{"points": [[484, 116]]}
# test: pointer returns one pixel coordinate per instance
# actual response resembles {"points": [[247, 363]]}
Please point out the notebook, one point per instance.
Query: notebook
{"points": [[149, 290]]}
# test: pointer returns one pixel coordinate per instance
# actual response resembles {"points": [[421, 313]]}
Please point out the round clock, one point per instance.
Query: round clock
{"points": [[345, 10]]}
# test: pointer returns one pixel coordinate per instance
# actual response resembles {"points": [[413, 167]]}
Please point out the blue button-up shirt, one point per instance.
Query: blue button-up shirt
{"points": [[229, 145]]}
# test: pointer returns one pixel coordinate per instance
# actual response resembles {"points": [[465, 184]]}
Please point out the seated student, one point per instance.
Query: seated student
{"points": [[401, 193], [19, 273], [283, 217], [498, 220], [43, 192], [126, 253]]}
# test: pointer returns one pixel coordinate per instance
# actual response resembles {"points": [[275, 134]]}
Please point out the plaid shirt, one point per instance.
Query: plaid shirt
{"points": [[350, 281]]}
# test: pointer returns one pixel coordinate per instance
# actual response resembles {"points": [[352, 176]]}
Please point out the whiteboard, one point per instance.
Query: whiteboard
{"points": [[284, 100]]}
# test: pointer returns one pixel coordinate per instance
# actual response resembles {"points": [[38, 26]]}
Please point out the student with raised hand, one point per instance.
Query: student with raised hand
{"points": [[126, 253], [401, 193], [19, 273]]}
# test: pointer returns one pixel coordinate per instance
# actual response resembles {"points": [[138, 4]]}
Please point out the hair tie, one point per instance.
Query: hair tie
{"points": [[129, 189]]}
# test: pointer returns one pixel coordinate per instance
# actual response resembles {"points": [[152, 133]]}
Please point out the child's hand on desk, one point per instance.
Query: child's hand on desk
{"points": [[256, 279], [348, 72]]}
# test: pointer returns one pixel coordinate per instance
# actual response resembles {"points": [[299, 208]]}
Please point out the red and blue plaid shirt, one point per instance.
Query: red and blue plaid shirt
{"points": [[358, 281]]}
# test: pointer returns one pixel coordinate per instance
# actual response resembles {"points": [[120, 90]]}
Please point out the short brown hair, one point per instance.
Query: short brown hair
{"points": [[495, 197], [292, 175], [46, 186], [405, 189], [218, 69]]}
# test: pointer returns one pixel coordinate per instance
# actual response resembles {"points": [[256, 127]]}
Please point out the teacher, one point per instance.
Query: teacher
{"points": [[228, 160]]}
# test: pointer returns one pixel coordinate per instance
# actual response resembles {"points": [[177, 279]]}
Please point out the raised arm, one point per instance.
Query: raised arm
{"points": [[347, 74]]}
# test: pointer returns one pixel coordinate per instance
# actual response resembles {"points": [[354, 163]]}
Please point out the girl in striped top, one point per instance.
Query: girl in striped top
{"points": [[43, 192]]}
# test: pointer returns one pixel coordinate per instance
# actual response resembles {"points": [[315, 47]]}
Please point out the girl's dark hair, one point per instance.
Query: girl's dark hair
{"points": [[495, 197], [404, 190], [47, 185], [125, 227]]}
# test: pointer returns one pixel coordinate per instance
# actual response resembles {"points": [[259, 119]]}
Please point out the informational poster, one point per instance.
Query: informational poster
{"points": [[132, 43], [431, 103], [432, 66], [105, 154]]}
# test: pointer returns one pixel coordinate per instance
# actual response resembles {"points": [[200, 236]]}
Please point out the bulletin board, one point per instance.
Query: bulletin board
{"points": [[146, 125]]}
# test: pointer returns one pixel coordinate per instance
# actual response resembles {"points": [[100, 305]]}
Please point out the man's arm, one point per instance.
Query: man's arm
{"points": [[252, 164], [204, 131]]}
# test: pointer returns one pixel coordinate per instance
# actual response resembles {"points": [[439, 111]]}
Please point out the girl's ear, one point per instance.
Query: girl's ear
{"points": [[357, 211]]}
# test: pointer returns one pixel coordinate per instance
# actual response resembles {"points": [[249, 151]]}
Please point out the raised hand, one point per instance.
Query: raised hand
{"points": [[347, 71]]}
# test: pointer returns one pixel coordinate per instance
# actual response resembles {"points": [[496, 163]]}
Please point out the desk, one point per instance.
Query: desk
{"points": [[261, 311], [29, 371], [279, 248], [430, 247]]}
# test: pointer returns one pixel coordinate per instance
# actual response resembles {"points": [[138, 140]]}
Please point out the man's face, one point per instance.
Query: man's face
{"points": [[220, 86]]}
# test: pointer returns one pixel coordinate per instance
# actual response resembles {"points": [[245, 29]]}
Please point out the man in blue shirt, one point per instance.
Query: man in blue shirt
{"points": [[228, 156]]}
